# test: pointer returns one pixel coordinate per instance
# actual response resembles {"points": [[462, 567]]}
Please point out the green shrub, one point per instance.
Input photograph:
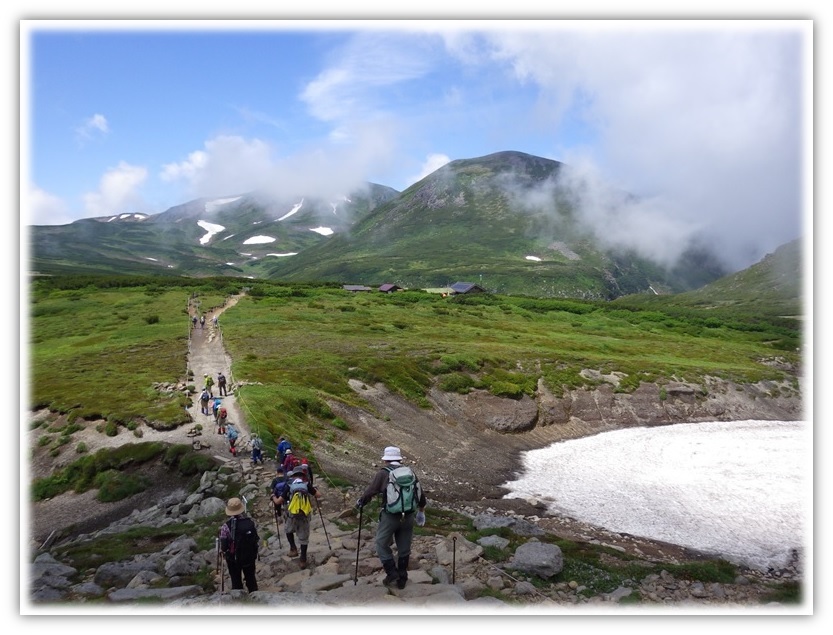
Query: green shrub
{"points": [[194, 463], [115, 486], [152, 319], [456, 382], [81, 448], [111, 428]]}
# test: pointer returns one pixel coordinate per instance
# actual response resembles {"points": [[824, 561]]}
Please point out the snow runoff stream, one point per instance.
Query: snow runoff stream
{"points": [[741, 490]]}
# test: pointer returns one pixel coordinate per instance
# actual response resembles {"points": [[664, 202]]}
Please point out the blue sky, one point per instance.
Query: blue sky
{"points": [[707, 122]]}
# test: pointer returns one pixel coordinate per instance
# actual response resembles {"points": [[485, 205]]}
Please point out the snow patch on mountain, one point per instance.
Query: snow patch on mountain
{"points": [[258, 240], [535, 258], [295, 208], [324, 231], [211, 229], [291, 253]]}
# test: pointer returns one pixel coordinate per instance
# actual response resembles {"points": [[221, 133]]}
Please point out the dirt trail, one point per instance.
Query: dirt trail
{"points": [[82, 511], [207, 355]]}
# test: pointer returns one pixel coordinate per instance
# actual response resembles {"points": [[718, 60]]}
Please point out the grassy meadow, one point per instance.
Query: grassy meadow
{"points": [[99, 346]]}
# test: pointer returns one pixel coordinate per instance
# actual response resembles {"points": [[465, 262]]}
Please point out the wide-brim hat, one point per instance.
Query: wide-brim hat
{"points": [[234, 507], [392, 453]]}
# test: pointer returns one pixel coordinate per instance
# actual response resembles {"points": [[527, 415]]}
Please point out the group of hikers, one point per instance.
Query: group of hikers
{"points": [[201, 320], [292, 494]]}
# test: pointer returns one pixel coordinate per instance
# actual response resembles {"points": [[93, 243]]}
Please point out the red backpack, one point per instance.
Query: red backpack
{"points": [[290, 463]]}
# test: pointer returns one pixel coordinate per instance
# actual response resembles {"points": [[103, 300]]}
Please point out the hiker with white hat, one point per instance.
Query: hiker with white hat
{"points": [[403, 504], [239, 543]]}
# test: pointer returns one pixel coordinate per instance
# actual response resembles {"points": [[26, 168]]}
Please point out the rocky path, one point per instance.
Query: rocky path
{"points": [[207, 355]]}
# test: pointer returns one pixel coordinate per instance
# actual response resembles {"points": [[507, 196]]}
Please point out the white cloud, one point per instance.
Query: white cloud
{"points": [[354, 86], [708, 120], [46, 209], [117, 191], [97, 124], [433, 162]]}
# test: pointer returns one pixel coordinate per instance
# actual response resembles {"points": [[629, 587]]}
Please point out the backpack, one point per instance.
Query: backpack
{"points": [[244, 544], [290, 463], [223, 413], [402, 492], [257, 444], [232, 433], [299, 501]]}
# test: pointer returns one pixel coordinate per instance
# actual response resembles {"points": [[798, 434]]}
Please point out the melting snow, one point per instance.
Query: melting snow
{"points": [[214, 205], [324, 231], [291, 253], [258, 240], [334, 206], [292, 211], [149, 258], [211, 228], [535, 258], [737, 489]]}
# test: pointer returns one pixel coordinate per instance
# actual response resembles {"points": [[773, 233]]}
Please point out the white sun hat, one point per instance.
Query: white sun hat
{"points": [[392, 453]]}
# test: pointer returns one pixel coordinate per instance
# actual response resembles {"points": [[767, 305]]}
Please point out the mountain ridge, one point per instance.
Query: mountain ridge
{"points": [[507, 220]]}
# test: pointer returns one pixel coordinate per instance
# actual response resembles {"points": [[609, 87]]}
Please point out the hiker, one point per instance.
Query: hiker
{"points": [[194, 321], [202, 321], [221, 384], [215, 409], [231, 435], [222, 419], [204, 398], [276, 490], [239, 543], [283, 446], [214, 321], [290, 461], [307, 468], [257, 449], [397, 516], [297, 493], [208, 382]]}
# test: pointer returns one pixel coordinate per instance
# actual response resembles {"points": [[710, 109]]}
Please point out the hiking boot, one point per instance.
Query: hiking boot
{"points": [[302, 563], [402, 569], [392, 574], [293, 553]]}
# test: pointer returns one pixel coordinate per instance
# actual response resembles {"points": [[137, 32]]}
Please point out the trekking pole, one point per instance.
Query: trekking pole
{"points": [[217, 545], [277, 525], [454, 560], [320, 515], [358, 545]]}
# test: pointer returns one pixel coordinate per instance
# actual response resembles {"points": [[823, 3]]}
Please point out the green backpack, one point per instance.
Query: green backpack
{"points": [[402, 492]]}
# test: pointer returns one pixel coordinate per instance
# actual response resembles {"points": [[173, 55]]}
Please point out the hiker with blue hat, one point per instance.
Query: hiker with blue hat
{"points": [[403, 504]]}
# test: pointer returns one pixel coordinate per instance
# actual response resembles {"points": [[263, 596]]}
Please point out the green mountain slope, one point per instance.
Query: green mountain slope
{"points": [[506, 221], [771, 287], [503, 221]]}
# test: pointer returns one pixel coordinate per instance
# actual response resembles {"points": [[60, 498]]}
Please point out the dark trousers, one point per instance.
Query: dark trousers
{"points": [[237, 573]]}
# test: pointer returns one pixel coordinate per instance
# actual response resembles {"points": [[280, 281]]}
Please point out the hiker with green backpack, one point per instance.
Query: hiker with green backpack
{"points": [[403, 504]]}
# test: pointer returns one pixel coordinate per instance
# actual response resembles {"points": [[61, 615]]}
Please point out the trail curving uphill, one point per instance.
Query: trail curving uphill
{"points": [[82, 512]]}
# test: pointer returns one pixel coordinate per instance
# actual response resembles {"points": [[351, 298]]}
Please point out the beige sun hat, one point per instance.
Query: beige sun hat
{"points": [[392, 453], [234, 507]]}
